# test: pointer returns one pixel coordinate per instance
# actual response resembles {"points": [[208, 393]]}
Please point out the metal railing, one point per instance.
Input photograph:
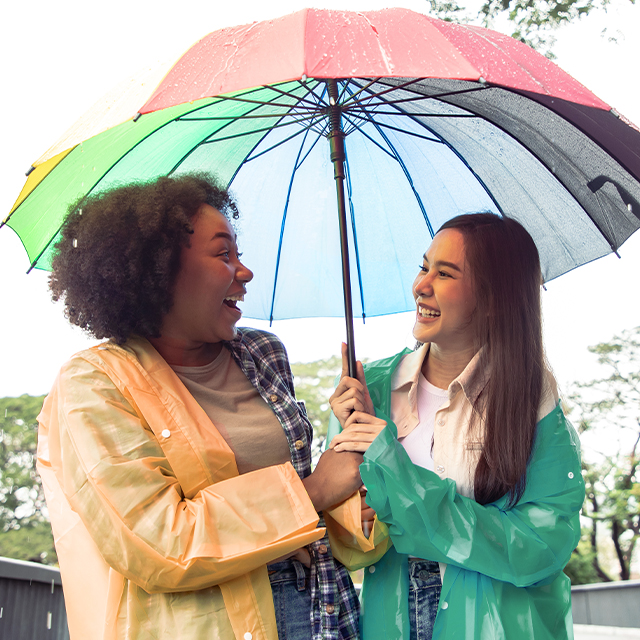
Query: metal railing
{"points": [[609, 604], [31, 602]]}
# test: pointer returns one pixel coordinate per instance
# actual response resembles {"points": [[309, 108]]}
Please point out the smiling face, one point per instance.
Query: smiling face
{"points": [[444, 295], [210, 282]]}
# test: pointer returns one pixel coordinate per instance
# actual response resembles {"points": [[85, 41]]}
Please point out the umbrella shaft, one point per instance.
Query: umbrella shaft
{"points": [[336, 145]]}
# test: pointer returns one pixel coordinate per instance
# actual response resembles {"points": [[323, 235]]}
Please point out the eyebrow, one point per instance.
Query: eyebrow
{"points": [[444, 263], [224, 234]]}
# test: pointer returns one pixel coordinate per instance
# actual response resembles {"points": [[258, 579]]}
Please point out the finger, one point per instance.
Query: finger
{"points": [[355, 447], [345, 361], [362, 417]]}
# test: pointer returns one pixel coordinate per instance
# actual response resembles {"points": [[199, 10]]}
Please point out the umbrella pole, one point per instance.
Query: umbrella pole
{"points": [[336, 145]]}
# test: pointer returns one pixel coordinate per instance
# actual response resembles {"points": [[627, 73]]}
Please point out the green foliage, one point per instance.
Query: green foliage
{"points": [[581, 566], [608, 406], [25, 531], [314, 382]]}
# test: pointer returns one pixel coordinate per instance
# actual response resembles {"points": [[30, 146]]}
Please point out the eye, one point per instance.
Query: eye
{"points": [[423, 268], [444, 274]]}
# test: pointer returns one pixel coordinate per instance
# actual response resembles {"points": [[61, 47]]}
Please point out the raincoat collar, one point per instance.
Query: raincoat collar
{"points": [[472, 380]]}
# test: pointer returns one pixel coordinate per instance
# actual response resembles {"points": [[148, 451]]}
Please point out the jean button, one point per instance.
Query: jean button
{"points": [[423, 575]]}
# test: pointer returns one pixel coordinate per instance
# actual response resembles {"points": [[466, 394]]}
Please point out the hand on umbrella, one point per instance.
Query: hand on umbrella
{"points": [[335, 478], [351, 394], [360, 430]]}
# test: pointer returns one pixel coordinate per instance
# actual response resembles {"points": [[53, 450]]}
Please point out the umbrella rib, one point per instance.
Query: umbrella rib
{"points": [[375, 95], [392, 128], [275, 146], [299, 98], [459, 156], [284, 219], [375, 142], [353, 228], [399, 160]]}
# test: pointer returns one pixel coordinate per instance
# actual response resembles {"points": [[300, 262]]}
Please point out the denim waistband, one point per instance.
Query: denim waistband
{"points": [[289, 570], [416, 565]]}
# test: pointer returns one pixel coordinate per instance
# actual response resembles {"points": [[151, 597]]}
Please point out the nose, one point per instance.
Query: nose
{"points": [[243, 274], [422, 285]]}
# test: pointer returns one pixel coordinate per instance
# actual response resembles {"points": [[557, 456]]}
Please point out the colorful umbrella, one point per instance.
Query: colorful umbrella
{"points": [[425, 120]]}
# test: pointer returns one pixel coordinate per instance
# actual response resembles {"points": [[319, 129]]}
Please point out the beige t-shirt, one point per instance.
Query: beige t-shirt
{"points": [[243, 418]]}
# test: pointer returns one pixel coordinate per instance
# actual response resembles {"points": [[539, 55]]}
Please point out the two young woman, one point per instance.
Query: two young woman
{"points": [[472, 474], [176, 461]]}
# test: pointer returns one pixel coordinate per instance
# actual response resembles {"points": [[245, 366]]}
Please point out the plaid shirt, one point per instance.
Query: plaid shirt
{"points": [[263, 359]]}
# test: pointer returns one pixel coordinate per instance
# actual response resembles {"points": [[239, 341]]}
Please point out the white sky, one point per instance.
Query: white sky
{"points": [[59, 58]]}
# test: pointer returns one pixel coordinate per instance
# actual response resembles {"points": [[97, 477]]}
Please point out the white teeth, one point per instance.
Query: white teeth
{"points": [[237, 298], [428, 313]]}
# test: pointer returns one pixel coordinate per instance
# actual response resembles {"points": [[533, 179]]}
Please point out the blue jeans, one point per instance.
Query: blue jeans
{"points": [[424, 593], [291, 599]]}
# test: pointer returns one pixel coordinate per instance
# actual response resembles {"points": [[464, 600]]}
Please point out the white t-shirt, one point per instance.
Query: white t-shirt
{"points": [[418, 443]]}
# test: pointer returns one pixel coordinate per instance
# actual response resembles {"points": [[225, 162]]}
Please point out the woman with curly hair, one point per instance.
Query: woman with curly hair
{"points": [[175, 458], [473, 475]]}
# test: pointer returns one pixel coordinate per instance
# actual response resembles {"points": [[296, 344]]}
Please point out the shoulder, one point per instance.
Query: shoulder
{"points": [[550, 397], [257, 340]]}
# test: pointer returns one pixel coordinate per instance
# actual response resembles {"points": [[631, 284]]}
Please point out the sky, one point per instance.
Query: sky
{"points": [[59, 58]]}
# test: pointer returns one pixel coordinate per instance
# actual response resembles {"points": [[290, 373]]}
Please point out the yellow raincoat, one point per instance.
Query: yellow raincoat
{"points": [[156, 533]]}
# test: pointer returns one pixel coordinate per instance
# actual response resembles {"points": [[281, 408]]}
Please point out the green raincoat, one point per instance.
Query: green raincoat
{"points": [[503, 579]]}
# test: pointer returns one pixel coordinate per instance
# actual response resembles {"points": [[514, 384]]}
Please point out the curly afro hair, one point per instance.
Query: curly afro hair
{"points": [[116, 263]]}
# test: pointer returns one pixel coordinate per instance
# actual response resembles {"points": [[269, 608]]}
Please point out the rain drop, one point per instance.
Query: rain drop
{"points": [[53, 584], [304, 77], [630, 208], [79, 212], [75, 242], [48, 619], [332, 101]]}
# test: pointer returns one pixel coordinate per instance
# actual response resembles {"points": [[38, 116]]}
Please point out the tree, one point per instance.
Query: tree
{"points": [[24, 523], [529, 21], [608, 407], [314, 382]]}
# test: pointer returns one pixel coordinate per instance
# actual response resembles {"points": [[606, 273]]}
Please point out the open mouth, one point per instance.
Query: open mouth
{"points": [[231, 301], [428, 313]]}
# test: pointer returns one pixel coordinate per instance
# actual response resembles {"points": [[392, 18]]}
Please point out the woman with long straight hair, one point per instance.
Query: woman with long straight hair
{"points": [[472, 474]]}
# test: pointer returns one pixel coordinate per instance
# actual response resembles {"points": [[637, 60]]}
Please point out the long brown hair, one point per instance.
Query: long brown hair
{"points": [[505, 269]]}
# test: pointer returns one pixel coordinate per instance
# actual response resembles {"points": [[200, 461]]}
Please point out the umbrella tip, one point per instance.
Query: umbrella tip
{"points": [[29, 170], [137, 117]]}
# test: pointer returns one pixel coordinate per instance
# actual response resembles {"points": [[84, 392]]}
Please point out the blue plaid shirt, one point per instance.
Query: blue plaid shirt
{"points": [[263, 359]]}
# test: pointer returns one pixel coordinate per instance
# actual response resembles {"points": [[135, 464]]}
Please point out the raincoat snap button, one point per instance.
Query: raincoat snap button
{"points": [[445, 605], [273, 397], [440, 469], [299, 444], [372, 569], [330, 608], [571, 474], [166, 433], [322, 548], [248, 636]]}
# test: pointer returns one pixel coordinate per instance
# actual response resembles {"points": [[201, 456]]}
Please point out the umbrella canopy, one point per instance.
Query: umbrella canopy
{"points": [[436, 119]]}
